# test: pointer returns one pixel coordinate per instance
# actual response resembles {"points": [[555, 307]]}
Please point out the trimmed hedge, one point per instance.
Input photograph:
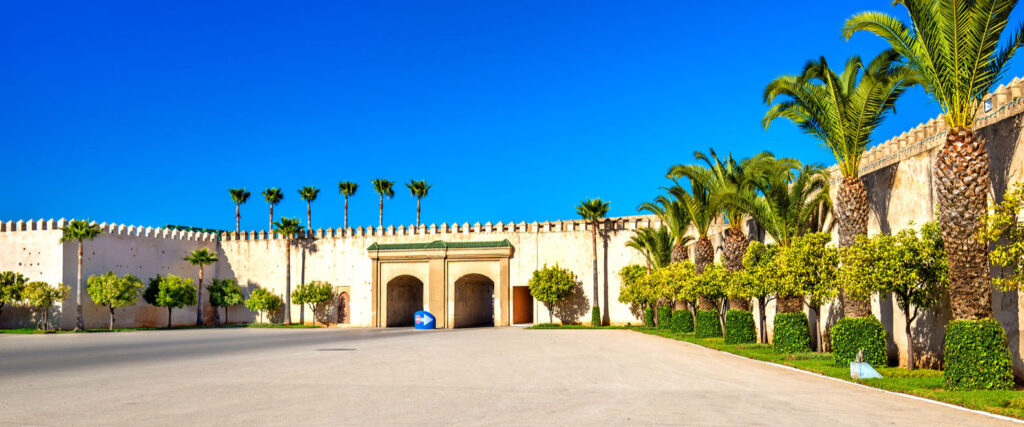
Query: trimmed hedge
{"points": [[851, 334], [977, 357], [649, 317], [791, 333], [739, 327], [707, 324], [664, 317], [682, 321], [595, 316]]}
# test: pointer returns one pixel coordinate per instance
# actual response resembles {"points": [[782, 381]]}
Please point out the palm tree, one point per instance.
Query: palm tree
{"points": [[201, 257], [384, 189], [721, 177], [953, 48], [79, 231], [347, 189], [842, 112], [418, 189], [592, 211], [288, 228], [309, 195], [674, 215], [273, 196], [655, 244], [239, 196]]}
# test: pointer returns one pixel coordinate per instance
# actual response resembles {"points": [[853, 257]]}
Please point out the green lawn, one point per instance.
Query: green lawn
{"points": [[926, 383]]}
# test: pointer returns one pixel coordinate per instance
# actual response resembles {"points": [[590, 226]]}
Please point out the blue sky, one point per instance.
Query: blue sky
{"points": [[146, 113]]}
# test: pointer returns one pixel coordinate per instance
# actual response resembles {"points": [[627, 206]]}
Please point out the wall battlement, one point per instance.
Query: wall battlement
{"points": [[1005, 101], [112, 229]]}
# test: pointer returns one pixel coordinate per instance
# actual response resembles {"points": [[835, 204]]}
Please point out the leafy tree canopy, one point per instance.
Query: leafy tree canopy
{"points": [[42, 296], [225, 293], [314, 292], [112, 291], [1005, 226], [175, 292], [809, 268], [552, 284]]}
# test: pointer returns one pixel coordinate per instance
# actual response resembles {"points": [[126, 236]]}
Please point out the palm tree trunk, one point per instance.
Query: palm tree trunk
{"points": [[238, 218], [270, 227], [962, 181], [199, 299], [678, 252], [593, 234], [417, 212], [851, 211], [380, 219], [346, 214], [79, 320], [309, 217], [704, 255], [288, 282]]}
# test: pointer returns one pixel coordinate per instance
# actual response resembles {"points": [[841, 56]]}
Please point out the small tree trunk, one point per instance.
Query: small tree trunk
{"points": [[226, 322], [199, 299], [721, 314], [169, 317], [551, 318], [46, 320], [910, 346], [762, 305], [817, 327], [111, 317], [79, 318]]}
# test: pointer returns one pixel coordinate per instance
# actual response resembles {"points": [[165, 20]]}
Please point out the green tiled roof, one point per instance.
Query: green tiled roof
{"points": [[438, 244]]}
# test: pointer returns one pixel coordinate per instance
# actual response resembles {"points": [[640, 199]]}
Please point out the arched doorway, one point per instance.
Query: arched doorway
{"points": [[343, 307], [474, 301], [404, 299]]}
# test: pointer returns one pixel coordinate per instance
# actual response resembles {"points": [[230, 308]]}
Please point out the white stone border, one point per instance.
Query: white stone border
{"points": [[923, 399]]}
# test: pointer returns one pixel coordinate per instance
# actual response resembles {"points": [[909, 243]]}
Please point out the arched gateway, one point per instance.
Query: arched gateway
{"points": [[462, 283]]}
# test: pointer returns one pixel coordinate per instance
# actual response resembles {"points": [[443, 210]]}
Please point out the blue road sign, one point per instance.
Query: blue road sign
{"points": [[425, 320]]}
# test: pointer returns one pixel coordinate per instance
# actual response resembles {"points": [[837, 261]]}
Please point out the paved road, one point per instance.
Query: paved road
{"points": [[468, 376]]}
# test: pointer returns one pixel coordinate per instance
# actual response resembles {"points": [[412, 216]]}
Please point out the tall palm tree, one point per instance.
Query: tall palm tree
{"points": [[736, 178], [309, 195], [79, 231], [288, 228], [674, 215], [239, 196], [842, 110], [953, 47], [655, 244], [384, 189], [593, 211], [273, 196], [419, 190], [347, 189], [201, 257]]}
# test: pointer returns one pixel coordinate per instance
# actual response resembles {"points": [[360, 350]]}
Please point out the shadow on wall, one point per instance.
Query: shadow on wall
{"points": [[929, 331], [307, 245], [573, 308], [880, 183], [1001, 142]]}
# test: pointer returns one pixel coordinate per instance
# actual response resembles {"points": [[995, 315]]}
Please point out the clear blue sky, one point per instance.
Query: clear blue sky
{"points": [[146, 113]]}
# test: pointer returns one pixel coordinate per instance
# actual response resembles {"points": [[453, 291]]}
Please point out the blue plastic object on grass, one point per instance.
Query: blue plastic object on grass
{"points": [[425, 320], [863, 370]]}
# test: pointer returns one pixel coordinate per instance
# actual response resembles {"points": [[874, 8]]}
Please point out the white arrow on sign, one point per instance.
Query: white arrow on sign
{"points": [[426, 320]]}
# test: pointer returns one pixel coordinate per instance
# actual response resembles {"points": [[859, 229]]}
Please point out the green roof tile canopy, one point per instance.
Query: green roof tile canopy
{"points": [[439, 244]]}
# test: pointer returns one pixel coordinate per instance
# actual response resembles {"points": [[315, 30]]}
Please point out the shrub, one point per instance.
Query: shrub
{"points": [[665, 317], [595, 316], [791, 333], [649, 317], [551, 285], [42, 296], [263, 302], [1016, 403], [12, 285], [739, 327], [851, 334], [682, 321], [976, 356], [707, 325]]}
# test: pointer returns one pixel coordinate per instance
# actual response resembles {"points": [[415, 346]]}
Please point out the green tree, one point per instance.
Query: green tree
{"points": [[239, 196], [593, 211], [201, 257], [841, 111], [114, 292], [347, 189], [654, 244], [711, 285], [551, 285], [674, 279], [314, 294], [170, 292], [42, 296], [809, 268], [12, 287], [759, 279], [225, 293], [953, 47], [1005, 228], [309, 195], [676, 217], [418, 189], [263, 302], [273, 196], [383, 188], [288, 228], [635, 288], [79, 231]]}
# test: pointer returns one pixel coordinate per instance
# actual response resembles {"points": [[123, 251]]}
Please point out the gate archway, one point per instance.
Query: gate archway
{"points": [[404, 299], [474, 301]]}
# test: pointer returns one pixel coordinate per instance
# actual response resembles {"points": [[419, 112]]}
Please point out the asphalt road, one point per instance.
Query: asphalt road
{"points": [[403, 376]]}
